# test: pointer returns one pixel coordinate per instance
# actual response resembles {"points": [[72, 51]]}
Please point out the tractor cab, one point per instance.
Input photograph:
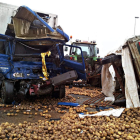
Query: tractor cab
{"points": [[89, 50], [92, 62]]}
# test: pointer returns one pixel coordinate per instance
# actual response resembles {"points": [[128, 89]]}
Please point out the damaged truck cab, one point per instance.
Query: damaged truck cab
{"points": [[31, 56]]}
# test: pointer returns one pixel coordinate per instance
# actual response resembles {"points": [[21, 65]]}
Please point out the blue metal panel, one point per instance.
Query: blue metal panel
{"points": [[6, 37], [25, 68], [61, 56], [5, 67], [68, 103], [75, 65], [39, 18], [8, 67], [63, 34], [3, 57], [79, 67], [2, 40]]}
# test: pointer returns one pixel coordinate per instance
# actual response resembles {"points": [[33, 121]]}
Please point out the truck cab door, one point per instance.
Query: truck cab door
{"points": [[69, 63]]}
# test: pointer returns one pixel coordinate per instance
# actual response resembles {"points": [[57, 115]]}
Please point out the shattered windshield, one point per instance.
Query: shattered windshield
{"points": [[87, 49]]}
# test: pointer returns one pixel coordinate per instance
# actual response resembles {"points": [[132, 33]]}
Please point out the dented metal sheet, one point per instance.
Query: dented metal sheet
{"points": [[24, 23], [25, 13], [29, 25]]}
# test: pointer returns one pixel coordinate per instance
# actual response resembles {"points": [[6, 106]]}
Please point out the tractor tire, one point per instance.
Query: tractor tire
{"points": [[110, 59], [7, 92]]}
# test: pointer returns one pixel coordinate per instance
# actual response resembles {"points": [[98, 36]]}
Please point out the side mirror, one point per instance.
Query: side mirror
{"points": [[66, 49], [97, 50]]}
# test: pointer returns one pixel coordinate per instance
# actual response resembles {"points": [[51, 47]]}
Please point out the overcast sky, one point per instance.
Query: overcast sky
{"points": [[109, 22]]}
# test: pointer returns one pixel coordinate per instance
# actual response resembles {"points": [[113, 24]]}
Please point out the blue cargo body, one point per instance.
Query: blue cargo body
{"points": [[28, 35]]}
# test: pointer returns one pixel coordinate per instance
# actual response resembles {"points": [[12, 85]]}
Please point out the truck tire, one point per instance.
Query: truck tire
{"points": [[60, 93], [110, 59], [7, 92]]}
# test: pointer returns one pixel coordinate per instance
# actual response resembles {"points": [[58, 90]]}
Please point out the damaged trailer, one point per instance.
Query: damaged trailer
{"points": [[125, 63], [22, 22], [31, 56]]}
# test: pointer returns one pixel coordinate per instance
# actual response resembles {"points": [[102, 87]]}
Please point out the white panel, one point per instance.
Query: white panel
{"points": [[6, 11]]}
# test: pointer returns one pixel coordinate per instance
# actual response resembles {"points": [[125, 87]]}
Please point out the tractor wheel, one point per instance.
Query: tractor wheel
{"points": [[7, 92]]}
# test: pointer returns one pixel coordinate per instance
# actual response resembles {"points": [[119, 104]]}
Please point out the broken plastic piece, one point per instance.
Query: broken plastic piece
{"points": [[68, 104], [112, 99], [114, 112], [55, 119], [102, 108]]}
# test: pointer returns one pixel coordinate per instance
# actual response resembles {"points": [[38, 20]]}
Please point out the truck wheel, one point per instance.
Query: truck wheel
{"points": [[7, 92], [110, 59], [60, 93]]}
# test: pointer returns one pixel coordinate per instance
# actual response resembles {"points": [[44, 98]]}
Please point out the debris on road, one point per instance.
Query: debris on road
{"points": [[68, 104], [114, 112], [87, 91], [99, 100]]}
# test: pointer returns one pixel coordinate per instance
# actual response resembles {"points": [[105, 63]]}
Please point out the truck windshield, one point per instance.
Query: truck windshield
{"points": [[87, 49]]}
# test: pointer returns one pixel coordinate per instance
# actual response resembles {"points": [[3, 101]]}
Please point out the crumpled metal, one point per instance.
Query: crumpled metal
{"points": [[44, 68]]}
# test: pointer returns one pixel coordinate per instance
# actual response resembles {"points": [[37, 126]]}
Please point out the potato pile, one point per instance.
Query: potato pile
{"points": [[36, 107], [42, 102], [3, 105], [92, 92], [71, 127]]}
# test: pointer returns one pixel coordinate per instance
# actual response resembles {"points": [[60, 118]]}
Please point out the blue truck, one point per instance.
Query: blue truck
{"points": [[31, 54]]}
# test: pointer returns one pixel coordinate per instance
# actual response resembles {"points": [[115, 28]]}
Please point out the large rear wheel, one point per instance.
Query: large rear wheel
{"points": [[7, 92]]}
